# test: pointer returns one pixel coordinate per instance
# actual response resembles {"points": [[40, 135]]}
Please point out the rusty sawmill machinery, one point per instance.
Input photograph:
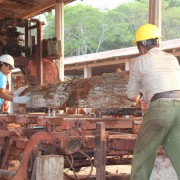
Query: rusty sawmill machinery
{"points": [[93, 138], [83, 140]]}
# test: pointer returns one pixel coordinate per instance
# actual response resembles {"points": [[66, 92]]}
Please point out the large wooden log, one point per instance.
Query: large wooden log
{"points": [[105, 91]]}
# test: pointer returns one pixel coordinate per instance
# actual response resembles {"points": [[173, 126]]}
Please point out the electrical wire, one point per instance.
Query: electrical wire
{"points": [[75, 174]]}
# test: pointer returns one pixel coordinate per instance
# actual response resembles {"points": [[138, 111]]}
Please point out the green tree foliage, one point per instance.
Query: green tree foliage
{"points": [[172, 3], [49, 29], [123, 21], [91, 30], [85, 29], [171, 19], [142, 1]]}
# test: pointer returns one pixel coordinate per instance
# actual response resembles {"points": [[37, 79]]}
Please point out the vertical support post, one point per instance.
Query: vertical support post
{"points": [[87, 72], [59, 31], [50, 167], [7, 153], [27, 46], [126, 65], [101, 150], [155, 13], [39, 54], [27, 43]]}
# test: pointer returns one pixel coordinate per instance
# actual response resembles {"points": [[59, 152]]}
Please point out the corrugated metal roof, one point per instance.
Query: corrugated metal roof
{"points": [[124, 53]]}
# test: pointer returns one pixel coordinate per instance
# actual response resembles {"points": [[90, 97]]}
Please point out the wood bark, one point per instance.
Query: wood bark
{"points": [[105, 91]]}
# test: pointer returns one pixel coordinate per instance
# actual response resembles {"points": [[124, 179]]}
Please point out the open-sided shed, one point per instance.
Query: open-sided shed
{"points": [[25, 9]]}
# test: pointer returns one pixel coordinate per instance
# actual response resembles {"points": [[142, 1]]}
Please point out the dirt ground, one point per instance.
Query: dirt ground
{"points": [[163, 170], [113, 169]]}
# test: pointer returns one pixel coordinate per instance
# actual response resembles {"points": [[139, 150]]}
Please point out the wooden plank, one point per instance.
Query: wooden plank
{"points": [[100, 153], [50, 167]]}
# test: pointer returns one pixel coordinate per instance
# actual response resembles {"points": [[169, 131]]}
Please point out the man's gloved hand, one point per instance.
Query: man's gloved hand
{"points": [[21, 99], [19, 90]]}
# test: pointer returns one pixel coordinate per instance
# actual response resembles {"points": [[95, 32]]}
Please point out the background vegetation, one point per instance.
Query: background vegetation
{"points": [[91, 30]]}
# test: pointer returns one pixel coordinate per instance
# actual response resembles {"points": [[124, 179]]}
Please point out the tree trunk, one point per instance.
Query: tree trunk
{"points": [[105, 91]]}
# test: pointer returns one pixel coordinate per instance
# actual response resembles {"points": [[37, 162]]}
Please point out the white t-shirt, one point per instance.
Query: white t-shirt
{"points": [[154, 72]]}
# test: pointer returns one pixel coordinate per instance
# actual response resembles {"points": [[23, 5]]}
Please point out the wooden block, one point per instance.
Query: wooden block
{"points": [[50, 167]]}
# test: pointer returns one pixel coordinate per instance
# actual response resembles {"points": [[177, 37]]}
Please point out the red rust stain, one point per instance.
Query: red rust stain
{"points": [[50, 71]]}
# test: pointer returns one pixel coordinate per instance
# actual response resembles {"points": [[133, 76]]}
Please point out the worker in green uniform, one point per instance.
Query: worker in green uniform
{"points": [[155, 74]]}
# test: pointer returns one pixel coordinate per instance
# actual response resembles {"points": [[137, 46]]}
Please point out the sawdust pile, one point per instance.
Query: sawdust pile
{"points": [[163, 169]]}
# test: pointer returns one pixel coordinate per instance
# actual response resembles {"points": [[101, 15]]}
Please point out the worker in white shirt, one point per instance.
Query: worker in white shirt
{"points": [[157, 75]]}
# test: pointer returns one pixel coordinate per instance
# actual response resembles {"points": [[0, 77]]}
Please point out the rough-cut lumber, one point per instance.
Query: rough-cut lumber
{"points": [[107, 90]]}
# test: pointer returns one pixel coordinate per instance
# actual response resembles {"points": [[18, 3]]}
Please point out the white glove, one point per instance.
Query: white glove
{"points": [[19, 90], [21, 99]]}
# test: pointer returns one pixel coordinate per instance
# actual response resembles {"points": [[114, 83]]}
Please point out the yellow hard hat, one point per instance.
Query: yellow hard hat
{"points": [[147, 31]]}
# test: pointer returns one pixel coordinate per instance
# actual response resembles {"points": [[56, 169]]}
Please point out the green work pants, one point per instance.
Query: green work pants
{"points": [[160, 126]]}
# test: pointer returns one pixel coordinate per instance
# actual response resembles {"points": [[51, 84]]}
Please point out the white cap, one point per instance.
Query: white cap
{"points": [[7, 59]]}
